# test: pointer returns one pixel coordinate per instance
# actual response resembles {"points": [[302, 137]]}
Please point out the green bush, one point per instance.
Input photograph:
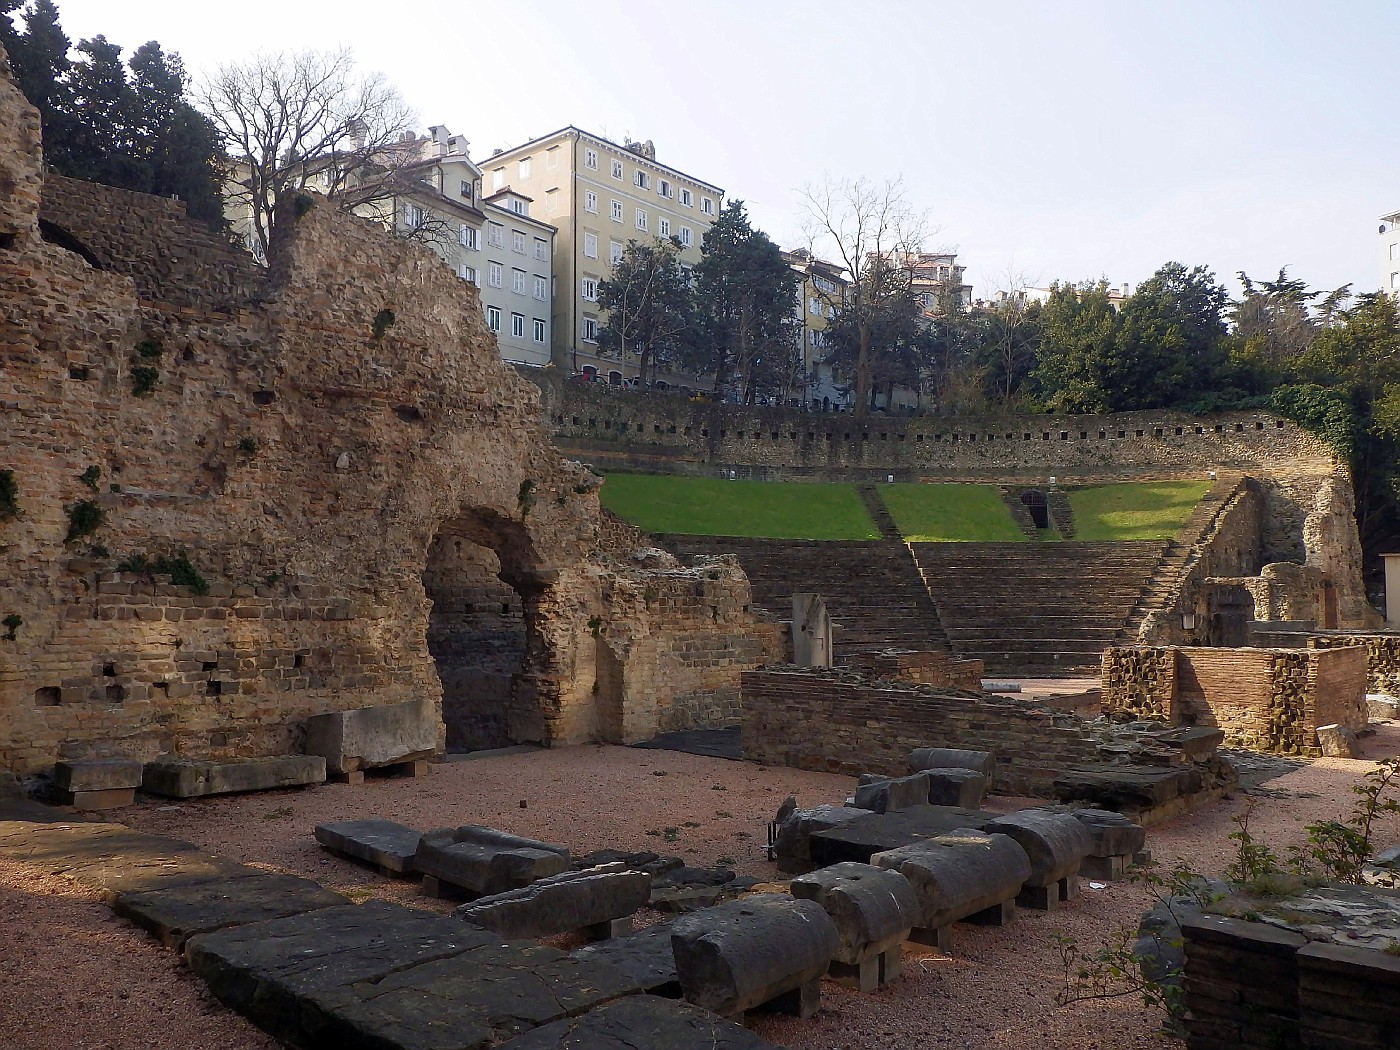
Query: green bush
{"points": [[179, 568], [143, 380], [9, 495], [84, 518]]}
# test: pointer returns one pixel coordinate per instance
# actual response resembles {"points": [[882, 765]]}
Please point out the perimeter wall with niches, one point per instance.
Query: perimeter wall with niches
{"points": [[234, 497], [1307, 509]]}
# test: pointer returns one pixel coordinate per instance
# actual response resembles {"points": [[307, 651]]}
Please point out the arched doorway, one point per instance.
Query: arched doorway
{"points": [[482, 631]]}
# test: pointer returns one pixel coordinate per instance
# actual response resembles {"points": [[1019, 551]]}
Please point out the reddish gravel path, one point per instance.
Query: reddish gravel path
{"points": [[74, 977]]}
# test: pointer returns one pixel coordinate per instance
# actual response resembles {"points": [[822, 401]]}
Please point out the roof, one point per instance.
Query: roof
{"points": [[607, 142], [506, 191]]}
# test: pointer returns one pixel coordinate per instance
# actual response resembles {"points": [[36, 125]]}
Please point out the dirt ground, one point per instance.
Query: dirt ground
{"points": [[74, 977]]}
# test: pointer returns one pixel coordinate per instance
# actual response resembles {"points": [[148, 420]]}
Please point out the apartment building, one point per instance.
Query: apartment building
{"points": [[821, 289], [937, 279], [600, 195], [1390, 253]]}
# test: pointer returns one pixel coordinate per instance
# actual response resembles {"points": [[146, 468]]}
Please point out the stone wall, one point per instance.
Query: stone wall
{"points": [[935, 668], [1264, 699], [314, 439], [841, 723]]}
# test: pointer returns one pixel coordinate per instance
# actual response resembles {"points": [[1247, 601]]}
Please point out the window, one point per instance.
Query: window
{"points": [[687, 199], [663, 187], [590, 245], [498, 178], [466, 189], [707, 205], [541, 288], [589, 330], [493, 318], [686, 238], [541, 249], [551, 157], [617, 211], [588, 288], [590, 201], [517, 281], [641, 219], [1395, 280], [519, 206], [524, 168], [493, 275], [495, 234], [540, 332], [590, 159], [467, 273], [414, 216], [663, 227], [517, 325], [466, 236], [641, 179], [1395, 251], [517, 241], [814, 306], [551, 202], [617, 169], [614, 252]]}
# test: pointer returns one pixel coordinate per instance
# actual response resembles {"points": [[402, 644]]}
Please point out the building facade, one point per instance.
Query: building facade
{"points": [[1390, 253], [600, 195], [821, 289], [517, 278]]}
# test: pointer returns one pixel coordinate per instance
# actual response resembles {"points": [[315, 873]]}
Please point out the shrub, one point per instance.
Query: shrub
{"points": [[9, 495], [179, 568], [143, 380], [84, 518]]}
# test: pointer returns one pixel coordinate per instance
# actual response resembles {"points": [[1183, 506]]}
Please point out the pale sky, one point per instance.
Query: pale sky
{"points": [[1067, 139]]}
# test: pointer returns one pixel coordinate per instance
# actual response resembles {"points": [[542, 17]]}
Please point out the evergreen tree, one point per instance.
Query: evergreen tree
{"points": [[650, 306]]}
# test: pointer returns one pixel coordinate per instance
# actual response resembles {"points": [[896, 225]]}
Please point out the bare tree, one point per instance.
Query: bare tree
{"points": [[872, 230], [308, 119]]}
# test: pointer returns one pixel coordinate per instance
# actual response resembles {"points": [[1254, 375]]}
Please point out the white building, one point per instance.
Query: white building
{"points": [[1390, 253]]}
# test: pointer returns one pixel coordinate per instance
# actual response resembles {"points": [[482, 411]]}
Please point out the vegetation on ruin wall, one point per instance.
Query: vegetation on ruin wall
{"points": [[1149, 510], [951, 513], [717, 507]]}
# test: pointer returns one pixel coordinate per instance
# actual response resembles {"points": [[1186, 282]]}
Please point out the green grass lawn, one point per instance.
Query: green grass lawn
{"points": [[717, 507], [1145, 510], [959, 513]]}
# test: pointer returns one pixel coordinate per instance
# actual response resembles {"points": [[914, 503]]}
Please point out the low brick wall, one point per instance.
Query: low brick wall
{"points": [[1252, 984], [1382, 657], [842, 724], [1265, 699], [935, 668]]}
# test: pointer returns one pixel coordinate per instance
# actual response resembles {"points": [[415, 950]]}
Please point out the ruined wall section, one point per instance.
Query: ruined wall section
{"points": [[305, 439]]}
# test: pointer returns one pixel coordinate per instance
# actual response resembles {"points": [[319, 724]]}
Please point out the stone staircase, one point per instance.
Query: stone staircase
{"points": [[879, 513], [1043, 608], [873, 588], [1180, 553]]}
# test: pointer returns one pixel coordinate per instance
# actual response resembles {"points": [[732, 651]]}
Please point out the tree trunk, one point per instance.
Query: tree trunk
{"points": [[862, 401]]}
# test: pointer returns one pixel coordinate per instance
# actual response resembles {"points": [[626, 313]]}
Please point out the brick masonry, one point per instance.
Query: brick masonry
{"points": [[1265, 699], [319, 438], [840, 723]]}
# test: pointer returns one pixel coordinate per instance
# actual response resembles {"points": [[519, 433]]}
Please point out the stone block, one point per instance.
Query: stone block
{"points": [[957, 875], [96, 801], [736, 956], [1056, 845], [889, 794], [954, 758], [387, 845], [641, 1022], [792, 845], [174, 915], [645, 956], [374, 736], [1337, 741], [97, 774], [873, 909], [573, 900], [197, 777], [1113, 834], [482, 861], [952, 786], [859, 840]]}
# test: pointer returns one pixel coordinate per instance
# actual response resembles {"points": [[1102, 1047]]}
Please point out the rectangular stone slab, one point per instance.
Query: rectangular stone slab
{"points": [[197, 777], [641, 1022], [475, 999], [176, 914], [645, 956], [97, 774], [1115, 786], [374, 736], [562, 903], [112, 858], [860, 839], [383, 843]]}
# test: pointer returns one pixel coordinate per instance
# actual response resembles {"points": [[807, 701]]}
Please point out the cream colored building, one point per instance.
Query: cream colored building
{"points": [[821, 290], [600, 195], [1390, 253]]}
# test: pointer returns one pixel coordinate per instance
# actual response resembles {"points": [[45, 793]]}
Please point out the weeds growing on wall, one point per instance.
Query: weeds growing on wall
{"points": [[90, 476], [84, 518], [179, 568], [9, 495], [12, 624], [144, 379]]}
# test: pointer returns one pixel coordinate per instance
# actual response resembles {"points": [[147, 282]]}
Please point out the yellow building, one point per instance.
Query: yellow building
{"points": [[600, 195], [821, 291]]}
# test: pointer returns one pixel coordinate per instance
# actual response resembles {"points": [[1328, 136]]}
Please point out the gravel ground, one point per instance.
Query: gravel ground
{"points": [[74, 977]]}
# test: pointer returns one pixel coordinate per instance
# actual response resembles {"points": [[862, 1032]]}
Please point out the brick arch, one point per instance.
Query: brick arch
{"points": [[63, 238]]}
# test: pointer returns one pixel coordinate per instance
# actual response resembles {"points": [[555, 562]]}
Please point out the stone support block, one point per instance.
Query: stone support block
{"points": [[374, 736]]}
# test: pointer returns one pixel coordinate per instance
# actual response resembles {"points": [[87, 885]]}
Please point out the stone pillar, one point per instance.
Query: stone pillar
{"points": [[1392, 589], [811, 631]]}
